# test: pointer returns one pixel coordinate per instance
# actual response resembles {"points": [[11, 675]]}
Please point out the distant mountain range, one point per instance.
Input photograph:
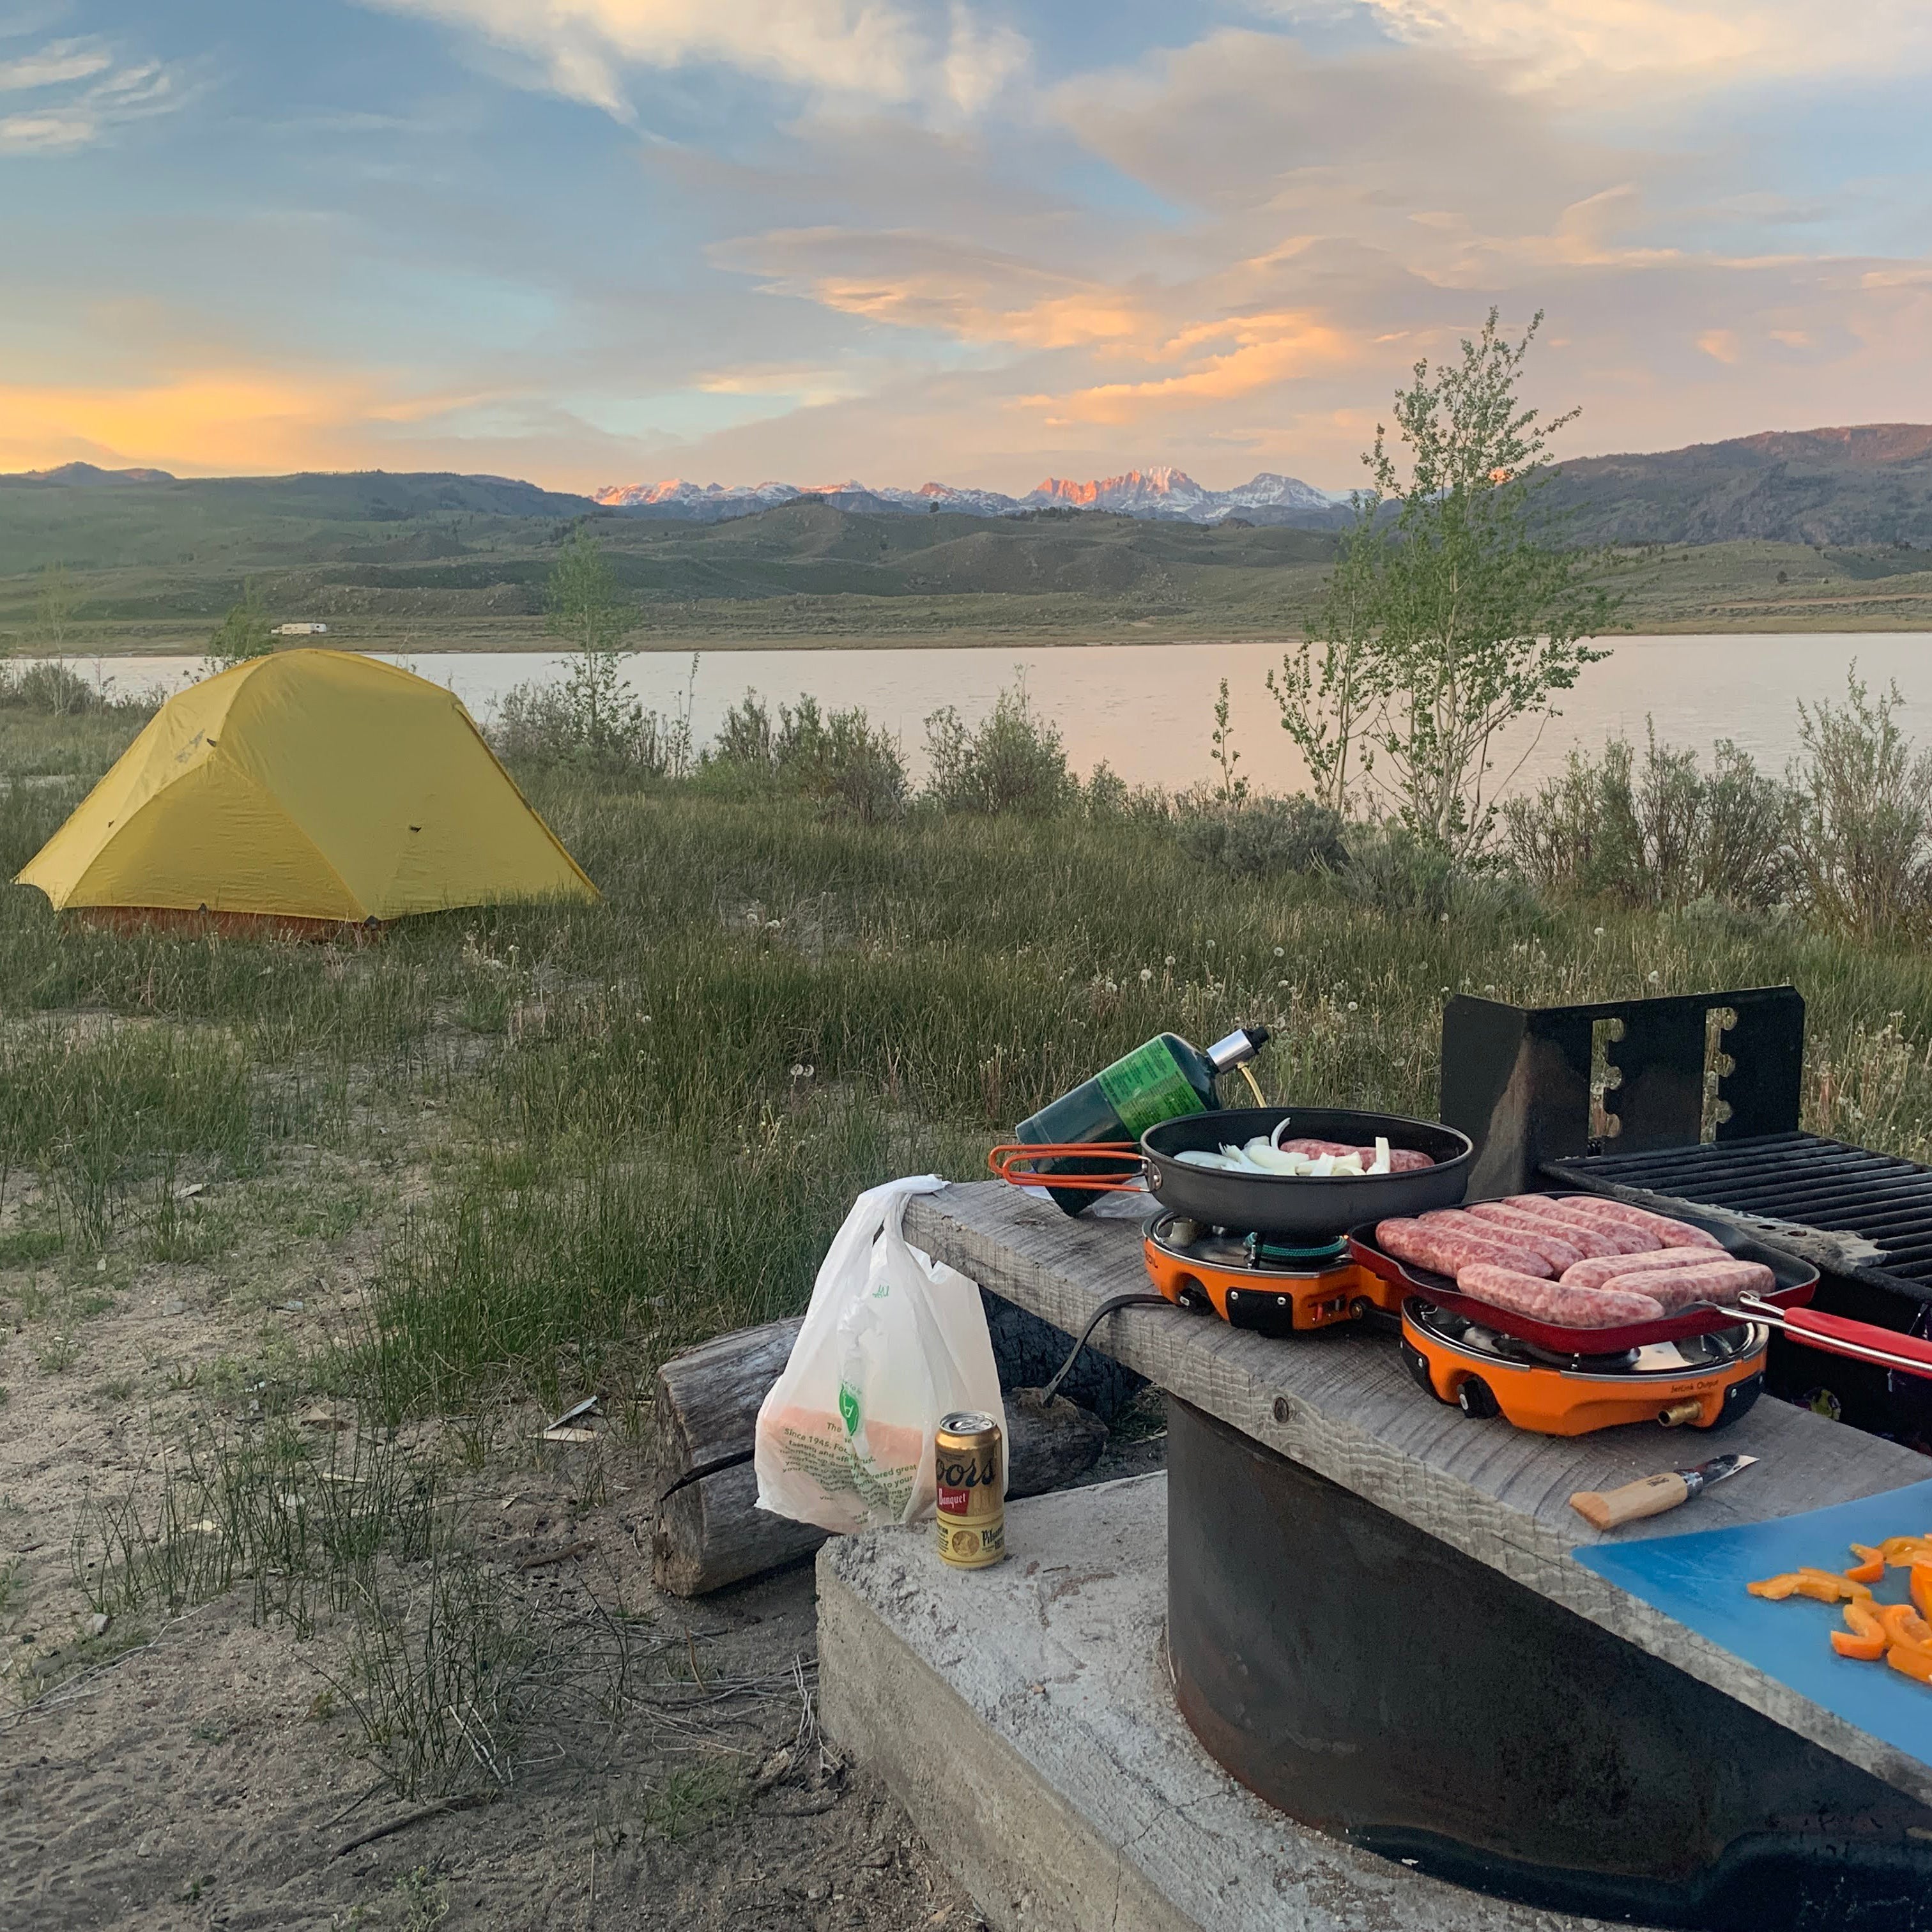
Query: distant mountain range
{"points": [[1868, 485], [1162, 494]]}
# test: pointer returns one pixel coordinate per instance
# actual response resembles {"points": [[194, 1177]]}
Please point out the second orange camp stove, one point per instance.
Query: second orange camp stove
{"points": [[1253, 1282], [1698, 1381]]}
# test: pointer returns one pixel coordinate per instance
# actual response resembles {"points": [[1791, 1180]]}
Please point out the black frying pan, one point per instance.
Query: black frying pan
{"points": [[1297, 1207]]}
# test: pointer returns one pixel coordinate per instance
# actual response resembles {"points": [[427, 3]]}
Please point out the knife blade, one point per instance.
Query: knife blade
{"points": [[1610, 1509]]}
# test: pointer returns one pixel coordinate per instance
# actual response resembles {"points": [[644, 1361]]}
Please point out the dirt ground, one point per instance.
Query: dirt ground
{"points": [[206, 1771]]}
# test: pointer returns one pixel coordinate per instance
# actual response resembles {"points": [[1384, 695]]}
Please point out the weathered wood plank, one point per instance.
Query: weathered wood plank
{"points": [[1340, 1402]]}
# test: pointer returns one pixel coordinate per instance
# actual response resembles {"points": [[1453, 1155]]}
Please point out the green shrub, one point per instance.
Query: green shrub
{"points": [[1862, 828], [1394, 871], [842, 760], [50, 686], [585, 720], [1267, 837], [1657, 830], [1014, 760]]}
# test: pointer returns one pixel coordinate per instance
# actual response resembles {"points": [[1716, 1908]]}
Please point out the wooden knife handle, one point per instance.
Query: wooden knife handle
{"points": [[1609, 1509]]}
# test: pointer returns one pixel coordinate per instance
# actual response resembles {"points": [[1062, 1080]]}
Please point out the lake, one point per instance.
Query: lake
{"points": [[1146, 709]]}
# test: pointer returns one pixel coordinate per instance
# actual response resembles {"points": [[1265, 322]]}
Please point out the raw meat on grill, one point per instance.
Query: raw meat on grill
{"points": [[1679, 1288], [1595, 1272], [1447, 1251], [1551, 1301], [1402, 1160], [1671, 1233], [1604, 1237]]}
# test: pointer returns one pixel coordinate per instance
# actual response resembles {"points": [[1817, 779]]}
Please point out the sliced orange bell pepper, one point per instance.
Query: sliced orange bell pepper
{"points": [[1921, 1589], [1863, 1637], [1827, 1586], [1870, 1566], [1823, 1586], [1911, 1659], [1901, 1550], [1905, 1627]]}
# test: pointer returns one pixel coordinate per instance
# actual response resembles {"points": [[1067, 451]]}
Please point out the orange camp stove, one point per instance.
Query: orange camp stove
{"points": [[1252, 1281], [1702, 1381]]}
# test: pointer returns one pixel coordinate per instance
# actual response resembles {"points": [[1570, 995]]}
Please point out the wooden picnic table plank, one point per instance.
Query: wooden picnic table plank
{"points": [[1340, 1402]]}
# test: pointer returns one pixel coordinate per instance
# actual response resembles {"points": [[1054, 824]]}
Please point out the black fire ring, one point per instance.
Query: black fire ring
{"points": [[1373, 1682]]}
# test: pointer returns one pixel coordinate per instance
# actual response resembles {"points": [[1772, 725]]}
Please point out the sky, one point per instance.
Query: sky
{"points": [[592, 242]]}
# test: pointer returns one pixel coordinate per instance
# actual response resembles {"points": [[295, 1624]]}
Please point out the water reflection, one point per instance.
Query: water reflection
{"points": [[1147, 709]]}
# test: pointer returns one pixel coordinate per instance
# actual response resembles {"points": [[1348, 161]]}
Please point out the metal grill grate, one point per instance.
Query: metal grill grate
{"points": [[1796, 1177]]}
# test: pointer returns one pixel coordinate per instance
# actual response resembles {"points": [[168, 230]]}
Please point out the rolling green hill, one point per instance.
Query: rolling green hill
{"points": [[1869, 486], [428, 562], [434, 561]]}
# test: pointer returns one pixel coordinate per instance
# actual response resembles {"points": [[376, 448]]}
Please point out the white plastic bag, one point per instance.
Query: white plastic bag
{"points": [[893, 1341]]}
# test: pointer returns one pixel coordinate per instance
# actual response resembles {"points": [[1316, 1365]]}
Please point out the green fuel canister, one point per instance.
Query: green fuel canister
{"points": [[1158, 1081]]}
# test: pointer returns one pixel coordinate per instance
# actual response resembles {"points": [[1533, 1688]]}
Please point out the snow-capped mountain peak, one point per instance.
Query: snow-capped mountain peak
{"points": [[1162, 492]]}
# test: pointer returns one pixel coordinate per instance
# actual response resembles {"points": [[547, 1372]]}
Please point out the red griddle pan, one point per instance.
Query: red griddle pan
{"points": [[1795, 1281], [1783, 1308]]}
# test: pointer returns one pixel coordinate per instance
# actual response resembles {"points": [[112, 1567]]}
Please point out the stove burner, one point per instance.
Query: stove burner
{"points": [[1258, 1282], [1706, 1381]]}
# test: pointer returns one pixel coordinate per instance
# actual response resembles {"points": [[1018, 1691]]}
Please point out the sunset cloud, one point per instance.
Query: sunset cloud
{"points": [[590, 241], [913, 280], [240, 420], [1267, 350], [889, 52]]}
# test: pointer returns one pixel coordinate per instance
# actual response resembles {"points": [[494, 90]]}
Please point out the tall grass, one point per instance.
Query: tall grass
{"points": [[651, 1113]]}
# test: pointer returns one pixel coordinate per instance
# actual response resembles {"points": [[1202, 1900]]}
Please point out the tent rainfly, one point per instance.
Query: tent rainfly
{"points": [[307, 785]]}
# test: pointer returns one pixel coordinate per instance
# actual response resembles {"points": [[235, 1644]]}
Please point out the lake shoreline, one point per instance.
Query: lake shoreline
{"points": [[532, 641], [1144, 705]]}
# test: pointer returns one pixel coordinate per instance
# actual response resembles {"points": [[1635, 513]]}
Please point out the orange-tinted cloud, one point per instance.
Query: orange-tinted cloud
{"points": [[221, 421], [914, 280], [1268, 349]]}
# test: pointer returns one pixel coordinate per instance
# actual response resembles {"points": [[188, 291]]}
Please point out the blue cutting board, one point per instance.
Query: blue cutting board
{"points": [[1700, 1579]]}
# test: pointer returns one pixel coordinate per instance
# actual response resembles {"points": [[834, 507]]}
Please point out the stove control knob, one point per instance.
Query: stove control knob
{"points": [[1474, 1398]]}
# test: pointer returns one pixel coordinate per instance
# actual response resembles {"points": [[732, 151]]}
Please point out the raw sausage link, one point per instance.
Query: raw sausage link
{"points": [[1507, 1247], [1402, 1160], [1593, 1273], [1551, 1301], [1443, 1252], [1679, 1288], [1671, 1233], [1615, 1237], [1587, 1238], [1523, 1231], [1544, 1229]]}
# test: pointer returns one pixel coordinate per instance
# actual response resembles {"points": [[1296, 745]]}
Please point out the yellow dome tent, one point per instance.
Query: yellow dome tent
{"points": [[307, 785]]}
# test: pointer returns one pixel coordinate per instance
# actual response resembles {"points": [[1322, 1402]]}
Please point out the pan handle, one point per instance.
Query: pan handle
{"points": [[1862, 1341], [1012, 1162]]}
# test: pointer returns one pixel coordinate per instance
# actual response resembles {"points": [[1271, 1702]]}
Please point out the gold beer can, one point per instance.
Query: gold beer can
{"points": [[969, 1460]]}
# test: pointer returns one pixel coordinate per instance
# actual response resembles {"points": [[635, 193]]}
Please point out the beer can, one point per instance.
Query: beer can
{"points": [[969, 1460]]}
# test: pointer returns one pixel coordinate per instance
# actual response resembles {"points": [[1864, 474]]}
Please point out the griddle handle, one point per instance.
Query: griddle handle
{"points": [[1907, 1352]]}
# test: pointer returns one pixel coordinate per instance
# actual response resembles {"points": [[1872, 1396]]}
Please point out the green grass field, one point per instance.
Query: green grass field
{"points": [[426, 1190], [636, 1124]]}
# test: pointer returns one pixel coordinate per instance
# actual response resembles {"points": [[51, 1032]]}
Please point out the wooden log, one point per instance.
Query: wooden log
{"points": [[708, 1398], [709, 1532], [712, 1533], [1051, 1448]]}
